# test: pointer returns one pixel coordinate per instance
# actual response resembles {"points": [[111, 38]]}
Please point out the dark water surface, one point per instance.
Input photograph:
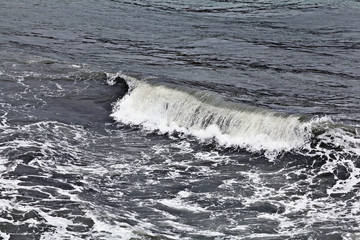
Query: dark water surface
{"points": [[179, 119]]}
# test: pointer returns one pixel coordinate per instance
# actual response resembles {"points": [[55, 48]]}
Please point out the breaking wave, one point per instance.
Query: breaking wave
{"points": [[169, 108]]}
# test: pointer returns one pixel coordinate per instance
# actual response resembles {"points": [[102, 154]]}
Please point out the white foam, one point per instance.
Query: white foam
{"points": [[174, 174], [345, 186], [192, 230], [111, 77], [3, 119], [59, 87], [179, 204], [160, 149], [3, 161], [340, 145], [351, 236], [3, 123], [212, 155], [228, 184], [111, 231], [183, 146], [184, 194], [4, 236]]}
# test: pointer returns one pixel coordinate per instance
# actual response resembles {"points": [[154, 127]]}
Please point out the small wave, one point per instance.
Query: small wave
{"points": [[206, 115], [169, 108]]}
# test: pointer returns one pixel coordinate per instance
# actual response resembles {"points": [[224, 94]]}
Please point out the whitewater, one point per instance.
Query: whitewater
{"points": [[171, 109]]}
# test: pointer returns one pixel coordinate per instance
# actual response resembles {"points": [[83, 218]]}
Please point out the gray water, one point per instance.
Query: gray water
{"points": [[179, 119]]}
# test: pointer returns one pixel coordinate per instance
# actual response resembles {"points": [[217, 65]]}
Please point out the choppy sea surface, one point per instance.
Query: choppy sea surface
{"points": [[180, 119]]}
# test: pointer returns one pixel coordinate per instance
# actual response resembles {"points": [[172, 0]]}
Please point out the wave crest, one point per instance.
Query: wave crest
{"points": [[206, 115]]}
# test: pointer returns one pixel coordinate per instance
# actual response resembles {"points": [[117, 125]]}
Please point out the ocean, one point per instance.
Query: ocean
{"points": [[167, 119]]}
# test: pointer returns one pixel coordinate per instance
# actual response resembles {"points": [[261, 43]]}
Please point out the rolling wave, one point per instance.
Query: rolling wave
{"points": [[169, 108], [206, 115]]}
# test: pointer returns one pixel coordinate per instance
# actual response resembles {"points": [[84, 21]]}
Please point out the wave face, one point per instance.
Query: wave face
{"points": [[206, 115]]}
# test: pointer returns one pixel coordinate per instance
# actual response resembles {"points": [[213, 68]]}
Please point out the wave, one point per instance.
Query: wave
{"points": [[206, 115], [169, 108]]}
